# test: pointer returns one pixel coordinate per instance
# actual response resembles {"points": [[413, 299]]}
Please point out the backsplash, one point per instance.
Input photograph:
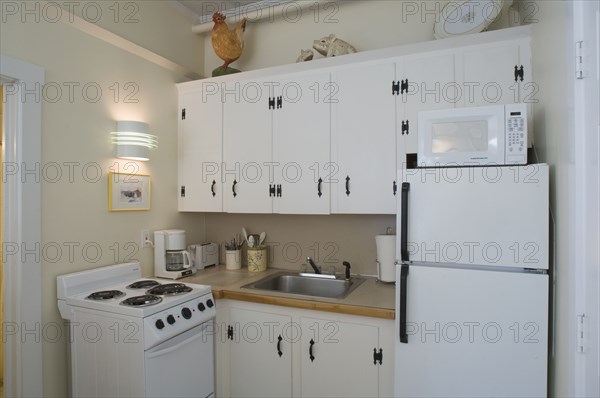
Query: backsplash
{"points": [[329, 240]]}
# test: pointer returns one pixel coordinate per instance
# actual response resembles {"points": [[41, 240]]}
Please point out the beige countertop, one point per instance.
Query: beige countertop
{"points": [[371, 298]]}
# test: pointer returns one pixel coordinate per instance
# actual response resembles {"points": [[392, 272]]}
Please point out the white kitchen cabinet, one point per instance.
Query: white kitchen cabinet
{"points": [[301, 144], [352, 354], [276, 145], [337, 359], [427, 82], [260, 358], [363, 140], [247, 148], [200, 152]]}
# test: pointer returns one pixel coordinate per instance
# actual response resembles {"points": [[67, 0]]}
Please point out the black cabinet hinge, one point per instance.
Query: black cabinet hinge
{"points": [[230, 332], [395, 87], [182, 191], [183, 114], [519, 73], [377, 356], [405, 127], [403, 86]]}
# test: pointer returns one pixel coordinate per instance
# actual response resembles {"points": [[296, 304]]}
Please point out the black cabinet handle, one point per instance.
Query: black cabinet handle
{"points": [[271, 190], [404, 223], [319, 187], [395, 188], [519, 73], [310, 352], [279, 345], [403, 287], [279, 191], [233, 188], [348, 186], [212, 188]]}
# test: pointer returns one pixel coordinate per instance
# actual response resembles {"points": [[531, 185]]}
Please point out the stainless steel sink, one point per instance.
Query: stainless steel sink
{"points": [[292, 283]]}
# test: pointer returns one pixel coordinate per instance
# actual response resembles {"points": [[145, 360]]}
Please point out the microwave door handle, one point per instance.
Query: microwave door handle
{"points": [[404, 223]]}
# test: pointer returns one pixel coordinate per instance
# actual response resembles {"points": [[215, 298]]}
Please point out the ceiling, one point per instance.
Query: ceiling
{"points": [[204, 9]]}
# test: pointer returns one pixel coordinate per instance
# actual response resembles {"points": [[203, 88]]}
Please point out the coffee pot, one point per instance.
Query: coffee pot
{"points": [[171, 259]]}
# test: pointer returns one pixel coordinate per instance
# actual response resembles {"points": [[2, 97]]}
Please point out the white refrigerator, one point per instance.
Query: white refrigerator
{"points": [[472, 282]]}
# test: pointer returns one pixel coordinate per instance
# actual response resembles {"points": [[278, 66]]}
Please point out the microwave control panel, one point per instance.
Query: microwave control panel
{"points": [[516, 135]]}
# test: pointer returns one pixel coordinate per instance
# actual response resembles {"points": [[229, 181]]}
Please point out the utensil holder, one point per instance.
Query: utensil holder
{"points": [[233, 259], [257, 259]]}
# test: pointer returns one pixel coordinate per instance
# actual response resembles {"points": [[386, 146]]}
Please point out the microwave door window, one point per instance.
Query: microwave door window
{"points": [[464, 136]]}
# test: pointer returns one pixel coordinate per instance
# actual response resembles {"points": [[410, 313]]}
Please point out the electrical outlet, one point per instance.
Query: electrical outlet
{"points": [[145, 240]]}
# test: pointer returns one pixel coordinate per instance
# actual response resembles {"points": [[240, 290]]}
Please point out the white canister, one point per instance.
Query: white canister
{"points": [[386, 257], [233, 259]]}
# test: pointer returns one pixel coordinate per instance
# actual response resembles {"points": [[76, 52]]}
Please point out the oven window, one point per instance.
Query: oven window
{"points": [[464, 136]]}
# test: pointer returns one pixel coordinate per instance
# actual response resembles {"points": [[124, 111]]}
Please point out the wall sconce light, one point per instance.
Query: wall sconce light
{"points": [[133, 141]]}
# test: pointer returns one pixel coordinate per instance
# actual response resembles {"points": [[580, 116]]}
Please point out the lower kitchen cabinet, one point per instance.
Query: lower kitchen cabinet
{"points": [[260, 361], [337, 359], [319, 354]]}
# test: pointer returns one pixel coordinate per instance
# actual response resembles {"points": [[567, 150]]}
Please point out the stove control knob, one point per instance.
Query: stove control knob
{"points": [[209, 303], [171, 319], [201, 306], [159, 324], [186, 313]]}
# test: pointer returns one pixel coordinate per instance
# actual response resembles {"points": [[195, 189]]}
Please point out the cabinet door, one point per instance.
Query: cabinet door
{"points": [[431, 85], [247, 124], [256, 368], [488, 74], [301, 145], [364, 140], [200, 152], [337, 359]]}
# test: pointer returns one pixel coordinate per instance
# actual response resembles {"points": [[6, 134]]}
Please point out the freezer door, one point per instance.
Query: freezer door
{"points": [[472, 333], [496, 216]]}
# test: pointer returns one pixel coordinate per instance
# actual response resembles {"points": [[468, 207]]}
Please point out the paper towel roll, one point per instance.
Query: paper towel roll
{"points": [[386, 257]]}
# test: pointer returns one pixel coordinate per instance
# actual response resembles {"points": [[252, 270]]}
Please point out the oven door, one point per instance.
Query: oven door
{"points": [[182, 366]]}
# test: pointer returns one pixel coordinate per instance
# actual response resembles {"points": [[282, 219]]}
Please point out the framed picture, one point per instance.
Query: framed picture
{"points": [[128, 192]]}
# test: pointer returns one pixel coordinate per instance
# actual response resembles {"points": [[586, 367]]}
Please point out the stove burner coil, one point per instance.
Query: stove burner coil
{"points": [[141, 301], [105, 295], [170, 289], [144, 284]]}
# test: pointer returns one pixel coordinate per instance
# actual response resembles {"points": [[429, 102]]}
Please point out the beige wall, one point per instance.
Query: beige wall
{"points": [[74, 210], [367, 25]]}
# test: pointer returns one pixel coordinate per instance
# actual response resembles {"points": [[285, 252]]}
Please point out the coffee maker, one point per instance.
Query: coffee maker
{"points": [[171, 260]]}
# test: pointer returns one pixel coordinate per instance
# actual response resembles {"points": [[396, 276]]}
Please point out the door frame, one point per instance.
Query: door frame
{"points": [[21, 227], [586, 175]]}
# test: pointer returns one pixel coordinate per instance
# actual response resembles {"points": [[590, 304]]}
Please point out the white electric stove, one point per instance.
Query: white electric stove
{"points": [[134, 336]]}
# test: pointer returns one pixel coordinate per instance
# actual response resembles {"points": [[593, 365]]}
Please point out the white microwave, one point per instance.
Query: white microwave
{"points": [[479, 136]]}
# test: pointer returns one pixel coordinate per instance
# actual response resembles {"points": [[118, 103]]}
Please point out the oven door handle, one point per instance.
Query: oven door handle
{"points": [[177, 346]]}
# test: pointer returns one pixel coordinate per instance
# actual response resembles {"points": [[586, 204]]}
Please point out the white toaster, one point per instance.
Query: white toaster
{"points": [[204, 254]]}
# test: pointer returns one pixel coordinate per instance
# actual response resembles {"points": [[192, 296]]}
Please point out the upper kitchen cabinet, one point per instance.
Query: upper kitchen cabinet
{"points": [[499, 73], [301, 144], [200, 151], [247, 147], [276, 145], [363, 140], [424, 82]]}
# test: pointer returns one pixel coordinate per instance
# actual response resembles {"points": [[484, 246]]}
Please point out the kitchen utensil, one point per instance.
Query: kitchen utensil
{"points": [[251, 241], [245, 234], [263, 235]]}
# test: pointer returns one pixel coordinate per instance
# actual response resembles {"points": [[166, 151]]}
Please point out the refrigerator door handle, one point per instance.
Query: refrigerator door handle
{"points": [[404, 223], [402, 304]]}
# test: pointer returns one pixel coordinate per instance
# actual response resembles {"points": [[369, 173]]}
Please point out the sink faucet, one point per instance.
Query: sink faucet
{"points": [[313, 265], [347, 265]]}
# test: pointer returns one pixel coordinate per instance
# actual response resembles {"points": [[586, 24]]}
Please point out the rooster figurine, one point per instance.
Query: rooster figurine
{"points": [[228, 44]]}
